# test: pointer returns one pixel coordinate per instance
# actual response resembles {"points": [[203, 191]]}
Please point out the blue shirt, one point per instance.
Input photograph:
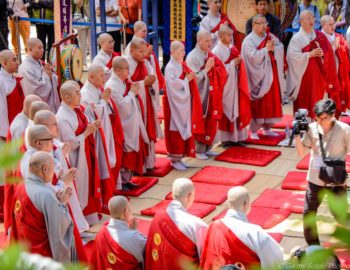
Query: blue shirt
{"points": [[313, 9]]}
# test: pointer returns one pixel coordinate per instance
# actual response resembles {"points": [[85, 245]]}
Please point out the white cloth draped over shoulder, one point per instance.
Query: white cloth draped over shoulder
{"points": [[7, 85], [18, 126], [129, 112], [259, 66], [102, 59], [179, 98], [297, 61], [36, 81], [208, 23]]}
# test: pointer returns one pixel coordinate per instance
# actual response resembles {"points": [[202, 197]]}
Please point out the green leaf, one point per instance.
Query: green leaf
{"points": [[338, 204], [10, 257], [343, 234]]}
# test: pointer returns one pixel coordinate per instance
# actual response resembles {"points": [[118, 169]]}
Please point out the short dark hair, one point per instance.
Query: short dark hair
{"points": [[257, 1], [327, 106]]}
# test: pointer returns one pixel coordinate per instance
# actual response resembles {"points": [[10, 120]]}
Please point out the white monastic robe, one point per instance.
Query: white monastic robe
{"points": [[150, 160], [36, 81], [129, 112], [102, 59], [18, 126], [90, 94], [259, 241], [7, 87], [261, 75], [208, 23], [179, 98], [67, 122], [230, 98], [332, 38]]}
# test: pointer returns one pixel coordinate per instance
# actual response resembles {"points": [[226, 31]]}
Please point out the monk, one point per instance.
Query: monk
{"points": [[41, 217], [62, 166], [311, 66], [120, 239], [263, 55], [126, 96], [175, 239], [75, 129], [20, 122], [211, 78], [38, 78], [93, 92], [140, 31], [214, 19], [233, 239], [141, 72], [235, 99], [341, 53], [11, 92], [182, 108], [106, 53]]}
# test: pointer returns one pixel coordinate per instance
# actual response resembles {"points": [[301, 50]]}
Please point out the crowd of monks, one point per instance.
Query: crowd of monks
{"points": [[83, 142]]}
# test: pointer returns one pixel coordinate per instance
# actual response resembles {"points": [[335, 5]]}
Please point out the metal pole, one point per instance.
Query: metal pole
{"points": [[103, 15], [93, 29], [15, 20]]}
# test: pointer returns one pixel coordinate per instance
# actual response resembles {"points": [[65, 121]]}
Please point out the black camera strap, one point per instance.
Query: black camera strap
{"points": [[321, 145]]}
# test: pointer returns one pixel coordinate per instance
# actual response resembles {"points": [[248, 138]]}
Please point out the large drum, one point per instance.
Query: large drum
{"points": [[239, 11], [71, 62]]}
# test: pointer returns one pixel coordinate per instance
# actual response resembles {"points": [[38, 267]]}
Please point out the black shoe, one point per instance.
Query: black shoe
{"points": [[125, 187], [131, 185]]}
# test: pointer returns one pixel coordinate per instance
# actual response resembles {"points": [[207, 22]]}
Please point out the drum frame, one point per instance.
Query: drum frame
{"points": [[72, 38]]}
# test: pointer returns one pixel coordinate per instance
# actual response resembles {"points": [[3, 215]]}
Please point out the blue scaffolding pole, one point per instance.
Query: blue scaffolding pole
{"points": [[151, 19], [93, 24]]}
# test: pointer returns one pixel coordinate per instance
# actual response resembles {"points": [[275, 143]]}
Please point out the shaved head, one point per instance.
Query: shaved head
{"points": [[117, 206], [139, 25], [307, 21], [119, 62], [181, 188], [238, 198], [6, 55], [36, 107], [27, 103], [137, 43], [42, 164], [325, 19], [202, 34], [175, 45], [68, 87], [257, 18], [305, 13], [43, 117], [95, 68], [104, 37], [37, 133], [224, 29], [32, 42]]}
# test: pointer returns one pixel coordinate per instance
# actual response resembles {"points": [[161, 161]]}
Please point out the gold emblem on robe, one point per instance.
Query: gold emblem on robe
{"points": [[157, 239], [17, 206], [112, 259]]}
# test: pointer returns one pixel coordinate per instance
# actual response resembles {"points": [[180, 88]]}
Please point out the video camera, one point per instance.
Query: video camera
{"points": [[300, 124]]}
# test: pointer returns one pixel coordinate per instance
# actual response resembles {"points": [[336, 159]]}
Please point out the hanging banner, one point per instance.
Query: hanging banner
{"points": [[178, 20], [63, 18]]}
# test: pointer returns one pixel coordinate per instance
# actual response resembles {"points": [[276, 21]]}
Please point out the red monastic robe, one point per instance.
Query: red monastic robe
{"points": [[110, 63], [173, 140], [342, 53], [108, 254], [266, 106], [223, 247], [167, 247], [319, 75], [133, 160], [15, 100], [244, 97], [217, 80], [237, 37]]}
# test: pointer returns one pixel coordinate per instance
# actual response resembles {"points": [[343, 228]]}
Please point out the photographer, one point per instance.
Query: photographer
{"points": [[18, 9], [335, 140], [4, 30]]}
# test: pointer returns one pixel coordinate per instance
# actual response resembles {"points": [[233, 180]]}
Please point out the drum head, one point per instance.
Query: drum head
{"points": [[239, 11], [52, 59], [77, 63]]}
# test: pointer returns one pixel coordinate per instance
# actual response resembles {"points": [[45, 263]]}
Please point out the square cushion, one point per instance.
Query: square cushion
{"points": [[304, 163], [160, 147], [267, 140], [161, 168], [295, 181], [287, 120], [145, 183]]}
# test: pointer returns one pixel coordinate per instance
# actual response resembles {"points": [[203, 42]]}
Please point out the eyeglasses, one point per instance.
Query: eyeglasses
{"points": [[262, 23], [47, 139]]}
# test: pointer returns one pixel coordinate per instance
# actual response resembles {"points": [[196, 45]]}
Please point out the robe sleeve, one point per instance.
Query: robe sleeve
{"points": [[201, 233], [201, 74], [31, 84], [254, 55], [67, 134], [3, 113], [139, 243], [59, 227]]}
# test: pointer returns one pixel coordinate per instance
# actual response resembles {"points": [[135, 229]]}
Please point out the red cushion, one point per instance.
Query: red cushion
{"points": [[206, 193], [281, 199], [161, 148], [268, 140], [223, 176], [161, 168], [287, 120], [348, 163], [304, 163], [249, 156], [145, 183], [143, 225], [263, 216], [198, 209], [344, 257], [345, 119], [295, 181], [277, 236]]}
